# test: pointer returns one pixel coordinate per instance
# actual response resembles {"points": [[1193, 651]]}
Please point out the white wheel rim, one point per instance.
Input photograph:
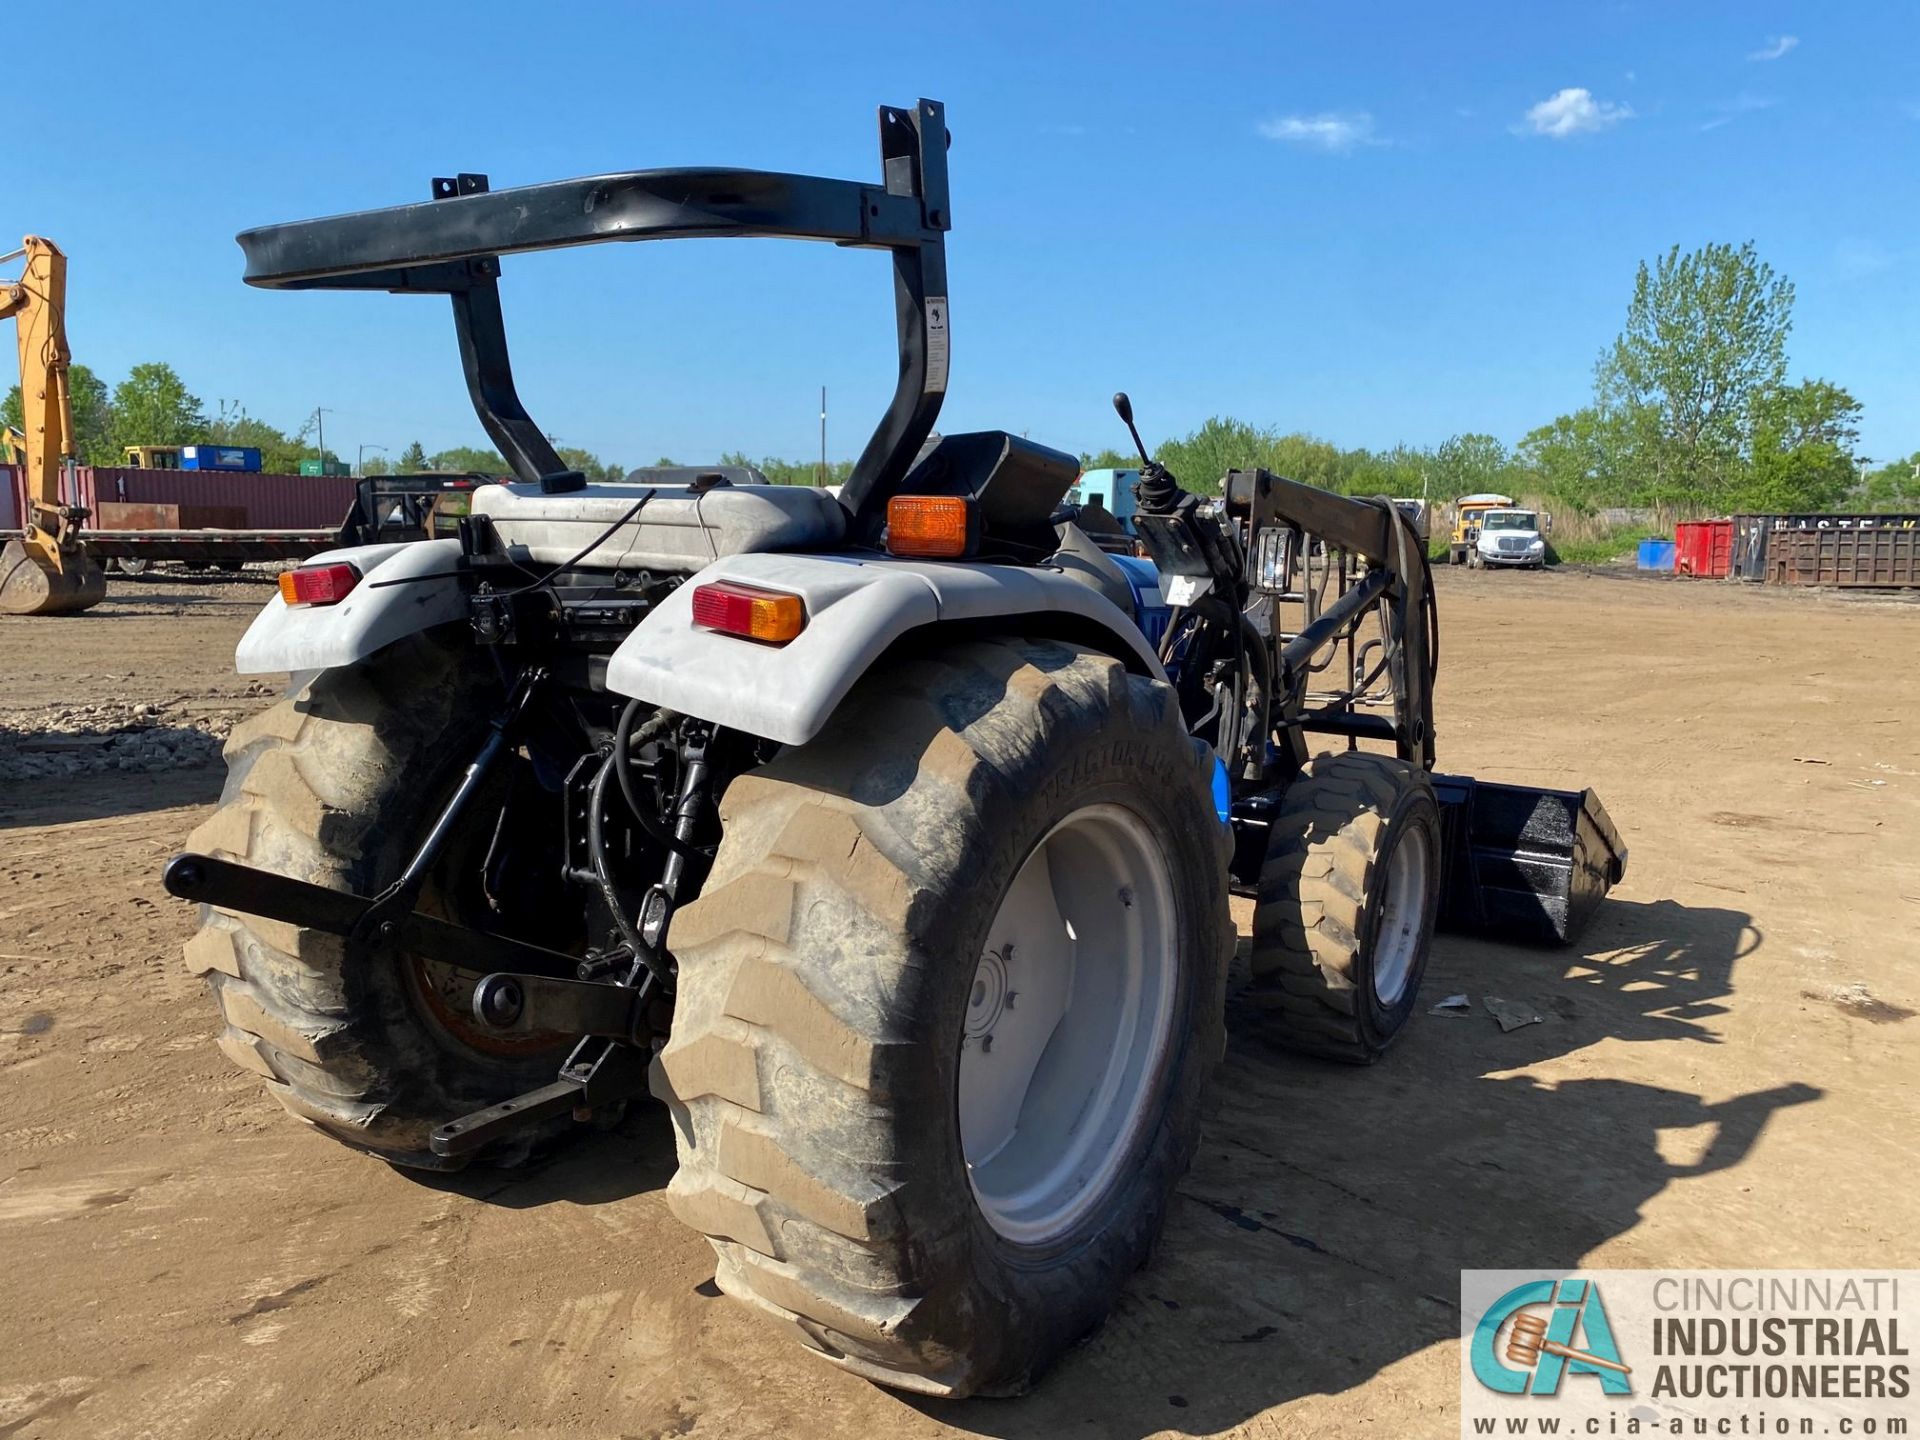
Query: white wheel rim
{"points": [[1067, 1024], [1403, 912]]}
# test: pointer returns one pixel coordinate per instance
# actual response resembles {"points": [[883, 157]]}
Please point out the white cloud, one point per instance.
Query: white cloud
{"points": [[1775, 47], [1334, 132], [1573, 112]]}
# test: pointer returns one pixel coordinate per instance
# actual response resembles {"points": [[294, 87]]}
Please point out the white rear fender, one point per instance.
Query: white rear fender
{"points": [[856, 608], [403, 588]]}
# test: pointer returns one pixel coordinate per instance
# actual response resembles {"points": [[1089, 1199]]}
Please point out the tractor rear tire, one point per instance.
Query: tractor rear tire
{"points": [[1346, 906], [838, 994], [335, 785]]}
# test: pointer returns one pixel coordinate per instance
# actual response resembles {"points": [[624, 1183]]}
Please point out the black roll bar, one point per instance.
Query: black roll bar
{"points": [[451, 245]]}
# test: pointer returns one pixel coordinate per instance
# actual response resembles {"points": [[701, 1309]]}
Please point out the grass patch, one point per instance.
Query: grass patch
{"points": [[1622, 545]]}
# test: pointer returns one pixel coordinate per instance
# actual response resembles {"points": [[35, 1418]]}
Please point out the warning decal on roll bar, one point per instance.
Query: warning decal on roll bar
{"points": [[936, 345]]}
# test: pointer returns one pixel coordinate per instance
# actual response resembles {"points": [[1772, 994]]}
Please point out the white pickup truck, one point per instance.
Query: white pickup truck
{"points": [[1510, 537]]}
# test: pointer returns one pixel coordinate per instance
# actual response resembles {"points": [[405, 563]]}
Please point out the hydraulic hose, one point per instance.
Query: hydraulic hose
{"points": [[625, 737], [603, 874]]}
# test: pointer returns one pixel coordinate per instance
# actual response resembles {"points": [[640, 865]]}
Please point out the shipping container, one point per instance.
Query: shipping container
{"points": [[220, 457], [325, 467], [271, 502], [1656, 555], [13, 493], [1703, 548], [1855, 558]]}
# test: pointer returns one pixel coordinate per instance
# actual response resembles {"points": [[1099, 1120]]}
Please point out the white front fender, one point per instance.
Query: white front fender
{"points": [[403, 588], [856, 607]]}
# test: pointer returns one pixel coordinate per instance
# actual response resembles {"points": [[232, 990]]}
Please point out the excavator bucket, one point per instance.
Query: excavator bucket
{"points": [[30, 584]]}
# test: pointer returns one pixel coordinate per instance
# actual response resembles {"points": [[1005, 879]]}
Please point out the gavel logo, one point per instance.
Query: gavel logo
{"points": [[1509, 1345], [1528, 1339]]}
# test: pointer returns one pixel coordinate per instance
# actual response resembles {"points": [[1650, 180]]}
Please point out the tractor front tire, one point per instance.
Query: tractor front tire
{"points": [[335, 785], [1346, 906], [946, 1008]]}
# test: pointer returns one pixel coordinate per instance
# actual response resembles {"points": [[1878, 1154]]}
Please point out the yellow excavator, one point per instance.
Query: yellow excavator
{"points": [[47, 571]]}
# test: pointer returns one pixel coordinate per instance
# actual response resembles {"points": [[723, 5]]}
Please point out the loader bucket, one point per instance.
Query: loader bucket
{"points": [[29, 585], [1522, 863]]}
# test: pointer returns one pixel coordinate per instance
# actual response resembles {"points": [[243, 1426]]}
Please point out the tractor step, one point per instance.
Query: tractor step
{"points": [[1523, 863]]}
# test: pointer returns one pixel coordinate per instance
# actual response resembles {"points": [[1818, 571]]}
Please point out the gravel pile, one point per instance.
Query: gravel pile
{"points": [[138, 737]]}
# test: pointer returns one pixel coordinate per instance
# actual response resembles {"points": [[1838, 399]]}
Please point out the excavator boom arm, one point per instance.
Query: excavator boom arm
{"points": [[37, 304], [47, 570]]}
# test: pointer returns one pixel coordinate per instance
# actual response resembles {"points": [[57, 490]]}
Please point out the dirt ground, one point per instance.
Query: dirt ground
{"points": [[1726, 1077]]}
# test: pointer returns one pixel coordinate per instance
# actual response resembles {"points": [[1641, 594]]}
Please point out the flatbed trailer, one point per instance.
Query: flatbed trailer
{"points": [[203, 547], [385, 508]]}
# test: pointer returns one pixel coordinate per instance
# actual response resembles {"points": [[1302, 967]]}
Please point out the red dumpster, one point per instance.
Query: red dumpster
{"points": [[1703, 548]]}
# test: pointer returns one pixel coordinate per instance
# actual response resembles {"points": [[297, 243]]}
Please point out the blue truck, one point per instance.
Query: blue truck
{"points": [[1112, 490]]}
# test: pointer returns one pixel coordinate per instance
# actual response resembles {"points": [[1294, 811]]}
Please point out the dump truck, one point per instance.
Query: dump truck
{"points": [[868, 832], [47, 570], [1467, 511]]}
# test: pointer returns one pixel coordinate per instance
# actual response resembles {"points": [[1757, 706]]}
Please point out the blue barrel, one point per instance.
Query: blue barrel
{"points": [[1656, 555]]}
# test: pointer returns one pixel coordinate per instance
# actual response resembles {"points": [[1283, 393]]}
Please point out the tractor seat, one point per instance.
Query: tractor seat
{"points": [[677, 528]]}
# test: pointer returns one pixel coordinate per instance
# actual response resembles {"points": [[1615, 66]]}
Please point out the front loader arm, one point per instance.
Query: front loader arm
{"points": [[1377, 531]]}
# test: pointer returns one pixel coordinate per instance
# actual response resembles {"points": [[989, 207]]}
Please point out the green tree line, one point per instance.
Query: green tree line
{"points": [[1691, 411]]}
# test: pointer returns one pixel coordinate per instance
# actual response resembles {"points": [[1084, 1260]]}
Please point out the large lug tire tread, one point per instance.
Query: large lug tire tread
{"points": [[328, 786], [1312, 924], [810, 1070]]}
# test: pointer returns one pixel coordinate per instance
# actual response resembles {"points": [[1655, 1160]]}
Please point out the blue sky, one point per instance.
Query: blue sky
{"points": [[1372, 222]]}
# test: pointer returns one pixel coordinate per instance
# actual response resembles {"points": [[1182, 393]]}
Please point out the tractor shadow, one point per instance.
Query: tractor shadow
{"points": [[30, 796], [633, 1156], [1319, 1237]]}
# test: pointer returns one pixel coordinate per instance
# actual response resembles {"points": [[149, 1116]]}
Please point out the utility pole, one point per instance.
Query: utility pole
{"points": [[320, 425], [823, 434], [360, 461]]}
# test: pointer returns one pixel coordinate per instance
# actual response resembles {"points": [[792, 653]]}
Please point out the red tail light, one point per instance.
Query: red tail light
{"points": [[748, 611], [318, 584]]}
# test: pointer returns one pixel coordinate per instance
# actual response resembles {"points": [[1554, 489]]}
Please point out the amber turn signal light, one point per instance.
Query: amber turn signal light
{"points": [[318, 584], [770, 616], [937, 527]]}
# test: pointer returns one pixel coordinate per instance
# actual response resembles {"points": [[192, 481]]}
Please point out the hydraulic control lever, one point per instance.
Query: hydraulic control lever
{"points": [[1180, 530]]}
